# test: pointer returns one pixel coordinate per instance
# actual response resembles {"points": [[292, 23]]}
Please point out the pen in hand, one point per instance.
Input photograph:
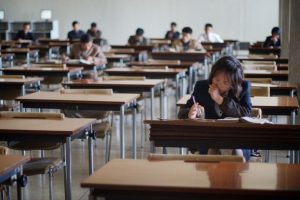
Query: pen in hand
{"points": [[198, 109]]}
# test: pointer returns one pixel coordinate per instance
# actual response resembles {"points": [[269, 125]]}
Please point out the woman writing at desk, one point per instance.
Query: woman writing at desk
{"points": [[224, 94]]}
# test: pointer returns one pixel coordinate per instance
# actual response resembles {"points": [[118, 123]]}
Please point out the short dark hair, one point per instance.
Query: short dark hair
{"points": [[187, 30], [26, 24], [139, 32], [74, 23], [208, 25], [173, 24], [275, 31], [232, 68], [93, 25], [85, 38]]}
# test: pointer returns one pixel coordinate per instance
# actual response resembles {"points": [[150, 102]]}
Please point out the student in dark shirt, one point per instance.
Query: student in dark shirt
{"points": [[138, 38], [274, 39], [76, 33], [172, 34], [94, 32], [25, 34], [224, 94]]}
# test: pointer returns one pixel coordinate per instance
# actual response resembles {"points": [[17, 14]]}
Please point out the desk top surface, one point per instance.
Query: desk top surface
{"points": [[42, 69], [19, 81], [57, 97], [125, 83], [141, 70], [180, 176], [260, 102], [9, 162], [60, 127]]}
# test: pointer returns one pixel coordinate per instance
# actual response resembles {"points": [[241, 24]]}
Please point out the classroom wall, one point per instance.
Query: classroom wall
{"points": [[246, 20]]}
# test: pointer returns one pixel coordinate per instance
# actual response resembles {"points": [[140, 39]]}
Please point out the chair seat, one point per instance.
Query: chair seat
{"points": [[42, 165], [33, 145], [101, 129]]}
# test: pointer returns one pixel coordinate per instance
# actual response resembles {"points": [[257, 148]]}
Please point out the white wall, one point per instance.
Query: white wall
{"points": [[246, 20]]}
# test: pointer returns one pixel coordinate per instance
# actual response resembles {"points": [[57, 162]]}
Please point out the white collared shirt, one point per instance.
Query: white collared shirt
{"points": [[211, 37]]}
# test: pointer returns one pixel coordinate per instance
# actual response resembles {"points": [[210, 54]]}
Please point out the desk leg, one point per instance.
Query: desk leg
{"points": [[49, 53], [28, 58], [205, 68], [19, 189], [95, 73], [177, 87], [191, 80], [162, 103], [91, 151], [68, 77], [293, 154], [152, 103], [122, 145], [134, 130], [67, 168]]}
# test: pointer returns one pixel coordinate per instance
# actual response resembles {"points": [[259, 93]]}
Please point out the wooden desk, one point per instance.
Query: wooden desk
{"points": [[43, 71], [147, 48], [274, 75], [121, 58], [11, 166], [220, 134], [280, 60], [279, 88], [125, 86], [152, 74], [60, 130], [13, 83], [280, 105], [143, 179], [192, 70], [22, 52], [114, 102], [264, 50]]}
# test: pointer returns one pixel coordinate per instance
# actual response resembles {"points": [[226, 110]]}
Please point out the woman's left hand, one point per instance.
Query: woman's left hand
{"points": [[215, 94]]}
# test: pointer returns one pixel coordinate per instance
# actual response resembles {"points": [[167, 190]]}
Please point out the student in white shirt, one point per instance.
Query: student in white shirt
{"points": [[209, 35]]}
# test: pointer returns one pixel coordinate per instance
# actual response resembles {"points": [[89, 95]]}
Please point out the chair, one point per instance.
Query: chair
{"points": [[102, 127], [9, 94], [155, 67], [260, 91], [259, 80], [164, 62], [38, 165], [195, 158], [122, 78]]}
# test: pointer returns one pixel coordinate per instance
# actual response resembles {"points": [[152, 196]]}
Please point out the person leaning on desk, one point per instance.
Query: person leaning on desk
{"points": [[87, 51], [224, 94]]}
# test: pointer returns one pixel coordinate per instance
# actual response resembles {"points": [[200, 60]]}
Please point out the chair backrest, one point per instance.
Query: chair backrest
{"points": [[3, 150], [195, 158], [10, 93], [13, 76], [256, 112], [125, 78], [260, 91], [164, 62], [151, 67], [31, 115], [259, 80], [87, 91]]}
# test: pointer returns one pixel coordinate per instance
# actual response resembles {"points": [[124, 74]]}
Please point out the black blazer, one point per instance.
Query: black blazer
{"points": [[270, 43], [21, 35], [231, 106]]}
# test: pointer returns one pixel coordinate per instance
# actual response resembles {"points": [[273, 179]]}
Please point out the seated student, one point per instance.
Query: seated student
{"points": [[224, 94], [138, 38], [209, 35], [186, 43], [274, 39], [172, 34], [25, 34], [76, 33], [94, 32], [88, 51]]}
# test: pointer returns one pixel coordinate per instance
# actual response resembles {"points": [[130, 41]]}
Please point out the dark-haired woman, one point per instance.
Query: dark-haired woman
{"points": [[224, 94]]}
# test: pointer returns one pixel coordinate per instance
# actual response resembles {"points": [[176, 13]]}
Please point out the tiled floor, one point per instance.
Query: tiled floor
{"points": [[37, 187]]}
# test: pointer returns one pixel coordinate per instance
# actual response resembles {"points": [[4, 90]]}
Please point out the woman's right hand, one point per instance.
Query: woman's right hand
{"points": [[195, 111]]}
